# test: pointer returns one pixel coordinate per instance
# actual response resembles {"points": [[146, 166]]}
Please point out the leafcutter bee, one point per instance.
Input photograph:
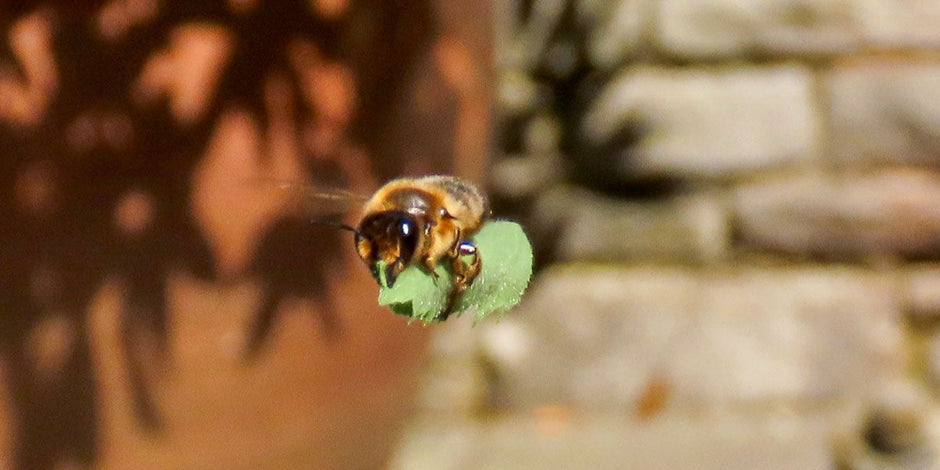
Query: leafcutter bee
{"points": [[422, 221]]}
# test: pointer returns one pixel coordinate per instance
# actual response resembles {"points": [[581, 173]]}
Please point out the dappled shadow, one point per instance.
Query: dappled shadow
{"points": [[106, 113]]}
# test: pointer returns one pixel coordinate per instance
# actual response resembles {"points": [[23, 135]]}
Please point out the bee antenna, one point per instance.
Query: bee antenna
{"points": [[338, 225]]}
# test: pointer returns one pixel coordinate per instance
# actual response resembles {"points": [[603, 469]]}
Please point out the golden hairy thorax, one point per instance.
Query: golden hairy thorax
{"points": [[425, 196]]}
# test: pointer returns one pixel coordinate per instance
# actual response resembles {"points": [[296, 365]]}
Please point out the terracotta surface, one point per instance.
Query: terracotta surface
{"points": [[165, 304], [308, 402]]}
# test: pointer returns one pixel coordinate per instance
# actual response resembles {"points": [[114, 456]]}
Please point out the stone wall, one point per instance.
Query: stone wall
{"points": [[736, 205]]}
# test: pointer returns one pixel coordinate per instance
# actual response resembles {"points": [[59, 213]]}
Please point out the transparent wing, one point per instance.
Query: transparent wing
{"points": [[306, 199]]}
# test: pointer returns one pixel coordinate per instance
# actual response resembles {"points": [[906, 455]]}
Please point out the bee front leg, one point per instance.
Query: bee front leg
{"points": [[430, 264], [392, 271]]}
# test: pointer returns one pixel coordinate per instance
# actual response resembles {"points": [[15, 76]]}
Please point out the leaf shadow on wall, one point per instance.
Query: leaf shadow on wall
{"points": [[95, 183]]}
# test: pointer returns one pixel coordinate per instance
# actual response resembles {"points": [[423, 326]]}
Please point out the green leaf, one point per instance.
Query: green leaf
{"points": [[506, 256]]}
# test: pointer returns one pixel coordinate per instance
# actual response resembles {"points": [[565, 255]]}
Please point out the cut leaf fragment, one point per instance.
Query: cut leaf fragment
{"points": [[506, 256]]}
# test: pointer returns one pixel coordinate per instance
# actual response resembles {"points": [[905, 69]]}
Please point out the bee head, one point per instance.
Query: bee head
{"points": [[391, 236]]}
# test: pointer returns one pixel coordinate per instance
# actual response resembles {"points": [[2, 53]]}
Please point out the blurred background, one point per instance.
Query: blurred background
{"points": [[735, 207]]}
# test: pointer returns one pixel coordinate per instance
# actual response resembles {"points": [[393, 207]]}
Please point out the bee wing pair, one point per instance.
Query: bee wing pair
{"points": [[407, 221], [309, 200]]}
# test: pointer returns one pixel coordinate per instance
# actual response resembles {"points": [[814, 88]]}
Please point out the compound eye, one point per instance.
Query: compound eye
{"points": [[408, 239], [405, 228]]}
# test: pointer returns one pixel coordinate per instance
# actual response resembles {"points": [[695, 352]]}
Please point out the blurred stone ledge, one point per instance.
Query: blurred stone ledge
{"points": [[716, 29], [853, 216], [885, 110], [922, 296], [707, 122], [890, 24], [780, 442], [459, 380], [712, 30], [593, 337], [709, 29], [689, 228], [923, 292], [888, 212]]}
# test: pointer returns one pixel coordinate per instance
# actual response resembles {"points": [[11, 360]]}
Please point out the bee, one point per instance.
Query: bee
{"points": [[423, 221]]}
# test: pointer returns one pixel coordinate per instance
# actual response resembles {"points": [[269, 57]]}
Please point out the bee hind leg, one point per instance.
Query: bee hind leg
{"points": [[464, 273]]}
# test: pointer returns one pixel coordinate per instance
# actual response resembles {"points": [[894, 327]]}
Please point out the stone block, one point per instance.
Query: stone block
{"points": [[686, 229], [452, 387], [453, 381], [891, 24], [517, 93], [525, 39], [712, 122], [885, 111], [615, 29], [898, 428], [923, 293], [933, 363], [713, 29], [593, 337], [610, 442], [524, 176], [850, 215]]}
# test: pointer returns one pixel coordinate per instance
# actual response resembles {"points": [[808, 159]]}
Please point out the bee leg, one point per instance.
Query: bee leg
{"points": [[429, 265], [392, 271], [464, 274], [455, 249], [429, 262]]}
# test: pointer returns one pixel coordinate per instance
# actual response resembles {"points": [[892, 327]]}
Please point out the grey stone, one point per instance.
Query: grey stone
{"points": [[453, 381], [715, 122], [531, 38], [888, 212], [615, 29], [562, 58], [933, 362], [518, 94], [451, 341], [732, 28], [453, 386], [593, 337], [689, 228], [885, 111], [923, 292], [520, 177], [897, 430], [507, 19], [542, 135], [900, 23]]}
